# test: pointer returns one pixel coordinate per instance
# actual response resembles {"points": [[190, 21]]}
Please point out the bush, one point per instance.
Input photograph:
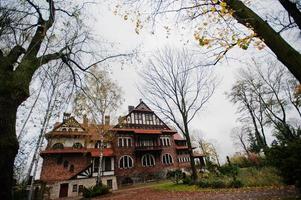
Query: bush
{"points": [[94, 191], [175, 175], [187, 180], [229, 170], [236, 184], [286, 158], [203, 184], [218, 184]]}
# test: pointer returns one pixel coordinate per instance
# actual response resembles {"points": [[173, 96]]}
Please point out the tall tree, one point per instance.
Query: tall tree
{"points": [[218, 25], [177, 89], [99, 95], [271, 88], [240, 138], [32, 34]]}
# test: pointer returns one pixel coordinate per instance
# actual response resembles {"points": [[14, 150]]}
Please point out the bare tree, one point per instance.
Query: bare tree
{"points": [[34, 33], [240, 138], [177, 89], [272, 91]]}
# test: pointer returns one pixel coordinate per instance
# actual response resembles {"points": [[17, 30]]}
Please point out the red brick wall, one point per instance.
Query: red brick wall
{"points": [[51, 171], [138, 169]]}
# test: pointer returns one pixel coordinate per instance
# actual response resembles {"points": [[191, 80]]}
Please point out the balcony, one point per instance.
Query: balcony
{"points": [[139, 147]]}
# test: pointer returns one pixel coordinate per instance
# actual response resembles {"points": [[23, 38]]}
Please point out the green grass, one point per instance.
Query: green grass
{"points": [[266, 176], [250, 177], [173, 187]]}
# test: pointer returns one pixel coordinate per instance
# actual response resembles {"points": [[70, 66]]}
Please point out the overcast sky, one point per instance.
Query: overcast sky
{"points": [[217, 118]]}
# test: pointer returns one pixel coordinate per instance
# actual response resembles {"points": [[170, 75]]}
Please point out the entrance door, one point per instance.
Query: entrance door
{"points": [[64, 190]]}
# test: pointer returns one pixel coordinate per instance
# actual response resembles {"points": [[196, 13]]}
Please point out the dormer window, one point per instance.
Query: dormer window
{"points": [[58, 146]]}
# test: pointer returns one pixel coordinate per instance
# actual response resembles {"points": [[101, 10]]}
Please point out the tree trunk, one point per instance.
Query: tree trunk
{"points": [[194, 174], [284, 52], [8, 144]]}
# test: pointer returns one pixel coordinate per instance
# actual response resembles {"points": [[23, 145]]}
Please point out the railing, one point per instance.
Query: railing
{"points": [[149, 147]]}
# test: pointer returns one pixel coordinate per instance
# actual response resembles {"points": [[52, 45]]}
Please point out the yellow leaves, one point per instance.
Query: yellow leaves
{"points": [[223, 4], [138, 26], [202, 40], [213, 9]]}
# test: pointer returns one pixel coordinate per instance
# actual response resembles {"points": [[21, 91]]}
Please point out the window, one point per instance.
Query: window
{"points": [[125, 162], [77, 145], [98, 144], [124, 142], [80, 188], [148, 118], [74, 188], [110, 183], [59, 160], [66, 163], [71, 169], [58, 146], [167, 159], [148, 160], [165, 141]]}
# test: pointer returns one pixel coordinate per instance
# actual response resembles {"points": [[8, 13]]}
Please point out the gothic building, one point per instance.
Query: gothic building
{"points": [[141, 147]]}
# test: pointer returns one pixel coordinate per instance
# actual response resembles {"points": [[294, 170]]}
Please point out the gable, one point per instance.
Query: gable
{"points": [[70, 124], [142, 117], [142, 106]]}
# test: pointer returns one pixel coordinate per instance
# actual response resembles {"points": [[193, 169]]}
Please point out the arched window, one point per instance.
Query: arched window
{"points": [[66, 163], [98, 144], [77, 145], [167, 159], [126, 162], [71, 169], [58, 146], [64, 129], [148, 160]]}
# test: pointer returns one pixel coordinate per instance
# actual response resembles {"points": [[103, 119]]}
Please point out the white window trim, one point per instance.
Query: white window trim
{"points": [[144, 156], [124, 162], [167, 156]]}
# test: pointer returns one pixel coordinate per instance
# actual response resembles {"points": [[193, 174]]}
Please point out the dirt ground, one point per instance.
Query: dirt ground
{"points": [[269, 193]]}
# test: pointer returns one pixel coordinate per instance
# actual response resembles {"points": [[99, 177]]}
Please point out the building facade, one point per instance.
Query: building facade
{"points": [[140, 148]]}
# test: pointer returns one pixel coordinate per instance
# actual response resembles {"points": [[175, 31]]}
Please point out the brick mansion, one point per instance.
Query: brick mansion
{"points": [[140, 148]]}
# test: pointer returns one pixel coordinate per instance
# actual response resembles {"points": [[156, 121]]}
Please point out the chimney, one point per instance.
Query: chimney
{"points": [[85, 120], [66, 116], [131, 108], [107, 120], [140, 100]]}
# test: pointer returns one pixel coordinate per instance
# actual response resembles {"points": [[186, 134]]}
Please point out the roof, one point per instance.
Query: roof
{"points": [[144, 131], [181, 147], [177, 136], [196, 155], [107, 152]]}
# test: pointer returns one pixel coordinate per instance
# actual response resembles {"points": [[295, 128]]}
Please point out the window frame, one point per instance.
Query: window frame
{"points": [[125, 162], [150, 160]]}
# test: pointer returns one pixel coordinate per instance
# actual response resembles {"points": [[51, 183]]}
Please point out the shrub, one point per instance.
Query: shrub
{"points": [[187, 180], [175, 175], [229, 170], [94, 191], [235, 184], [203, 184], [218, 184], [286, 158]]}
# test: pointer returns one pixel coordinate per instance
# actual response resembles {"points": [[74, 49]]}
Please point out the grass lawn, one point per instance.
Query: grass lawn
{"points": [[250, 177]]}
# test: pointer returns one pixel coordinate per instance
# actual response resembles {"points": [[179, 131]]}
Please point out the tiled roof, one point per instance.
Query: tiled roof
{"points": [[107, 152], [177, 136], [144, 131]]}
